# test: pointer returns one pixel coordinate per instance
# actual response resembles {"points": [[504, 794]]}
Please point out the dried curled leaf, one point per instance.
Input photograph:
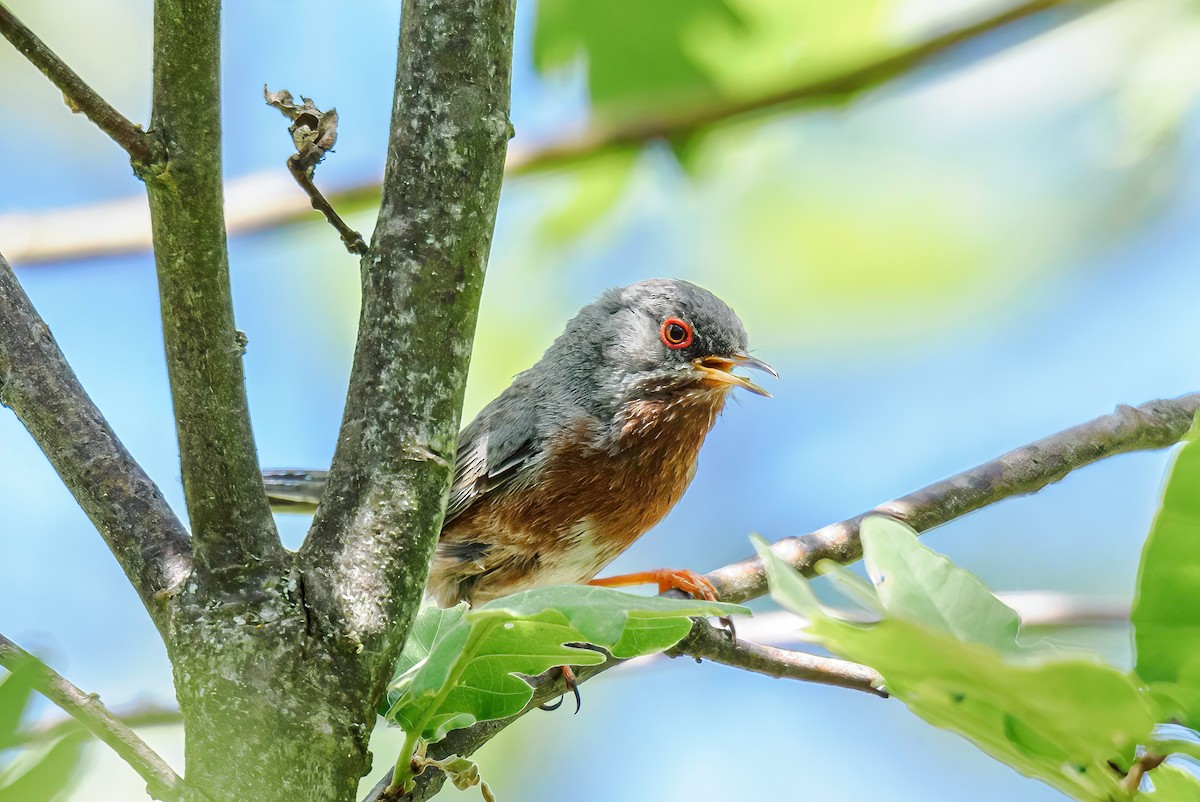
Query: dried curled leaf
{"points": [[314, 132], [462, 772]]}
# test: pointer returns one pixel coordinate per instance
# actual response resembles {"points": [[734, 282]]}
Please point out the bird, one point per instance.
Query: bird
{"points": [[585, 451]]}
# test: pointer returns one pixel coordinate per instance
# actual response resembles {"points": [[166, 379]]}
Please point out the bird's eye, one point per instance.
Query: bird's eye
{"points": [[675, 333]]}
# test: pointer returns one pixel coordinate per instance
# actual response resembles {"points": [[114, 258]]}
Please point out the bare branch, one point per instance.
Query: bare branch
{"points": [[365, 559], [258, 203], [161, 780], [314, 133], [79, 97], [708, 642], [127, 508], [1153, 425], [231, 522]]}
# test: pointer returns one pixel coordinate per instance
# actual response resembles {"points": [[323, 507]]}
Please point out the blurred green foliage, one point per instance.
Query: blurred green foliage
{"points": [[647, 58], [32, 771]]}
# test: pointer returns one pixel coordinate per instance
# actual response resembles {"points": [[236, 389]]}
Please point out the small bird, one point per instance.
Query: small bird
{"points": [[586, 450]]}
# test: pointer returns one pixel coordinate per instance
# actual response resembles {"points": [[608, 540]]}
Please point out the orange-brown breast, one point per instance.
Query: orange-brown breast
{"points": [[588, 504]]}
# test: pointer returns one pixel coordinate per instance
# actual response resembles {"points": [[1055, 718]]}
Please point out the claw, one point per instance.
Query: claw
{"points": [[572, 686], [730, 629]]}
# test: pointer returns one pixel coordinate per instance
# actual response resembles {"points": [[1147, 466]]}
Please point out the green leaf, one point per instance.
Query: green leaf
{"points": [[652, 58], [462, 772], [637, 54], [1166, 627], [1173, 784], [48, 776], [14, 697], [461, 666], [949, 650], [924, 587]]}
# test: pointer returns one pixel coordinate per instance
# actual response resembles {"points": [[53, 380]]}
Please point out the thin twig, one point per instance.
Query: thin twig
{"points": [[79, 97], [353, 240], [708, 642], [1154, 425], [1145, 763], [257, 203], [161, 780], [314, 133]]}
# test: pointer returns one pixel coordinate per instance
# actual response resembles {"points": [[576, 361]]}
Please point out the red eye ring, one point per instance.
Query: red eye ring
{"points": [[675, 333]]}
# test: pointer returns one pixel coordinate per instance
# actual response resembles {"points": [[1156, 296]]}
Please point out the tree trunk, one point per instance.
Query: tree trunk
{"points": [[271, 710]]}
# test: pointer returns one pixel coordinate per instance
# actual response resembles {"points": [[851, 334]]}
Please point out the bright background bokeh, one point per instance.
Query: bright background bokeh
{"points": [[997, 246]]}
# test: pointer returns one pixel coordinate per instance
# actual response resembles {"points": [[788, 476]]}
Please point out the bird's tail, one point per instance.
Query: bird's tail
{"points": [[294, 490]]}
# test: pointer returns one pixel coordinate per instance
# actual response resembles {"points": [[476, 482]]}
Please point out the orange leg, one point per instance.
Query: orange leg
{"points": [[689, 582]]}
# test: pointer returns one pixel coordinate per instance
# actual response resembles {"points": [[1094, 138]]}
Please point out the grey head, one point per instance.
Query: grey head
{"points": [[653, 339]]}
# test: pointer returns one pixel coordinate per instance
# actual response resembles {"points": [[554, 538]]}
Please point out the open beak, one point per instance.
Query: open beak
{"points": [[720, 369]]}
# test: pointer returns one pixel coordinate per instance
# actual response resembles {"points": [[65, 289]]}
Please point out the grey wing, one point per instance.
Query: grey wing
{"points": [[291, 490], [493, 449]]}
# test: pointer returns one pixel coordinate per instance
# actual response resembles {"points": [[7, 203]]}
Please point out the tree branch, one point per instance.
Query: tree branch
{"points": [[1153, 425], [127, 508], [835, 88], [161, 780], [231, 522], [264, 204], [1037, 609], [367, 554], [708, 642], [79, 97]]}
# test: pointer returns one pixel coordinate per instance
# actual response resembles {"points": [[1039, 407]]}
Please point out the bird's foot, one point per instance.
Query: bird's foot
{"points": [[572, 686], [682, 579], [690, 582]]}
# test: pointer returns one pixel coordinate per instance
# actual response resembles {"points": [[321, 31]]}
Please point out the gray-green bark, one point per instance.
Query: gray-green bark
{"points": [[279, 662], [124, 504], [366, 557], [232, 528]]}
